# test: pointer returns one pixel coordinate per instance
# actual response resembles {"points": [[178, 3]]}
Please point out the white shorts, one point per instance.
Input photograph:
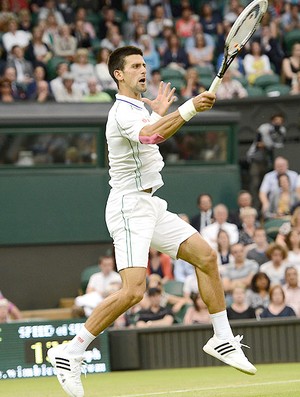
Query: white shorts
{"points": [[139, 220]]}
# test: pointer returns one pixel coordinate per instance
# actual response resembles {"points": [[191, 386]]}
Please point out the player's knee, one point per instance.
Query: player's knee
{"points": [[134, 295], [209, 260]]}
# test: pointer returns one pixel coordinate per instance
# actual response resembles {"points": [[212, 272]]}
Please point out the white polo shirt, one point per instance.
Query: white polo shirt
{"points": [[133, 166]]}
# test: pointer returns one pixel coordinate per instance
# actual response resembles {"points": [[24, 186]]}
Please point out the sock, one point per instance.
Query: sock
{"points": [[80, 342], [221, 325]]}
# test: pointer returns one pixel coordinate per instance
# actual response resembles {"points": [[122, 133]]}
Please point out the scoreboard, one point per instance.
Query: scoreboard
{"points": [[24, 346]]}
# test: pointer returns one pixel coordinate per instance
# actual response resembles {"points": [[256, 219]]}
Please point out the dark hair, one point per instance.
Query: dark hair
{"points": [[201, 195], [116, 60], [278, 114], [283, 175], [258, 276]]}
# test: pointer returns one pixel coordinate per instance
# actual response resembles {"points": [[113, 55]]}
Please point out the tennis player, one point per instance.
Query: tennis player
{"points": [[137, 218]]}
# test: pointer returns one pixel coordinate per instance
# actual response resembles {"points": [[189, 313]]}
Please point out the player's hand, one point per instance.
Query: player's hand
{"points": [[164, 99], [204, 101]]}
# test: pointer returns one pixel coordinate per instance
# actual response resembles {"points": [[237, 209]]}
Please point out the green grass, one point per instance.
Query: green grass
{"points": [[276, 380]]}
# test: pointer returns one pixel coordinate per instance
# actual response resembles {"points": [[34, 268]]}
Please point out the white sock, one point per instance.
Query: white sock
{"points": [[221, 325], [80, 342]]}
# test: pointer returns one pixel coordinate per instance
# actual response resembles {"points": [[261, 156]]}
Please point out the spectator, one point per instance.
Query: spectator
{"points": [[248, 217], [189, 42], [151, 56], [133, 31], [4, 313], [223, 250], [210, 20], [32, 88], [153, 84], [50, 8], [25, 20], [231, 88], [258, 296], [5, 15], [81, 35], [287, 227], [295, 89], [193, 85], [175, 55], [232, 11], [100, 281], [159, 21], [238, 272], [271, 47], [81, 15], [269, 183], [68, 92], [201, 54], [14, 37], [42, 92], [81, 69], [291, 289], [275, 267], [64, 44], [185, 24], [292, 241], [210, 232], [160, 264], [50, 28], [57, 83], [290, 19], [156, 315], [139, 8], [13, 312], [198, 313], [23, 68], [109, 22], [113, 40], [256, 63], [101, 70], [190, 286], [18, 91], [277, 306], [95, 94], [64, 7], [6, 91], [244, 199], [258, 252], [291, 65], [283, 200], [205, 216], [239, 308], [38, 52]]}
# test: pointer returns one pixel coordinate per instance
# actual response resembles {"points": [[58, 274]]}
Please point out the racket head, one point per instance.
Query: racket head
{"points": [[245, 26]]}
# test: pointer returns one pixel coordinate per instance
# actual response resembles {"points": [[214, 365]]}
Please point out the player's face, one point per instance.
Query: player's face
{"points": [[133, 76]]}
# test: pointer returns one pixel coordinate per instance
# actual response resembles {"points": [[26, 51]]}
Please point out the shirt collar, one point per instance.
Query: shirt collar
{"points": [[131, 101]]}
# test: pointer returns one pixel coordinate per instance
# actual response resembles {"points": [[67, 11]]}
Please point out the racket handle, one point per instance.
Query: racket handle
{"points": [[215, 85]]}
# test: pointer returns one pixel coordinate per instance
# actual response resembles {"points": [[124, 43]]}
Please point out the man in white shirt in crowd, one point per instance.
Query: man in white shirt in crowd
{"points": [[291, 289], [205, 215]]}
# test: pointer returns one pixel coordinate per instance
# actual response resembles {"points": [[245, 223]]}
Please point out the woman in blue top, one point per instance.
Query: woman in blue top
{"points": [[277, 306]]}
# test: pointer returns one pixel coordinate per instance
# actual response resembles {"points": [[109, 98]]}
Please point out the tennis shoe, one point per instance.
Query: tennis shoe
{"points": [[230, 352], [68, 370]]}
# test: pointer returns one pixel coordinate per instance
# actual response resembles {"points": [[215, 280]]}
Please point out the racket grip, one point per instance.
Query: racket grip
{"points": [[215, 85]]}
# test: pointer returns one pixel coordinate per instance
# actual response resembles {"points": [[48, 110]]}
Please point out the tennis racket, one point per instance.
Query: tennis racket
{"points": [[240, 33]]}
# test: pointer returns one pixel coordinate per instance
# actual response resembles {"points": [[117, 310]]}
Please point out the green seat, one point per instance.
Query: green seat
{"points": [[179, 316], [242, 80], [204, 71], [52, 65], [169, 73], [277, 90], [174, 287], [85, 276], [272, 226], [177, 83], [255, 91], [266, 80], [111, 92], [206, 81], [290, 38]]}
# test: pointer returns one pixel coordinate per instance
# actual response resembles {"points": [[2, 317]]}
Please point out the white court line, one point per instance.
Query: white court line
{"points": [[162, 393]]}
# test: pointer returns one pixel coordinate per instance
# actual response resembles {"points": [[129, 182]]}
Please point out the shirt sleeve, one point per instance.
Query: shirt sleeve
{"points": [[130, 124]]}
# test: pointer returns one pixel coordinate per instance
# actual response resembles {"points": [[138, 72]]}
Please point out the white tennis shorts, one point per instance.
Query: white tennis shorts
{"points": [[139, 220]]}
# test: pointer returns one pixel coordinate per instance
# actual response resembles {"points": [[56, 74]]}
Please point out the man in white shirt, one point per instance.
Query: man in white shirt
{"points": [[210, 232], [15, 37], [138, 219], [205, 216]]}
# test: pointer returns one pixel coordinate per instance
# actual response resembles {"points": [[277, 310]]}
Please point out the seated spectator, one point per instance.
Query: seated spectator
{"points": [[198, 313], [224, 255], [277, 306], [69, 92], [39, 74], [190, 286], [231, 11], [269, 183], [291, 289], [109, 22], [244, 199], [67, 11], [156, 25], [201, 54], [82, 36], [81, 69], [14, 37], [23, 68], [189, 42], [287, 227], [292, 241], [185, 24], [231, 88], [236, 67], [25, 20], [18, 91], [139, 8], [101, 70], [291, 65], [295, 87], [38, 52], [156, 315], [13, 312], [49, 7], [161, 264], [210, 20], [133, 31], [282, 200], [238, 272], [162, 42], [239, 308], [275, 267], [65, 44], [175, 55], [193, 85], [249, 223], [42, 93], [205, 215], [81, 16], [95, 93], [151, 56], [153, 84], [51, 29], [271, 46], [256, 63], [210, 232], [6, 95], [290, 19], [261, 245], [258, 296], [57, 83], [6, 14]]}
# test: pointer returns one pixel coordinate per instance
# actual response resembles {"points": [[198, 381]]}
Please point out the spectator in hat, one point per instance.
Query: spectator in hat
{"points": [[69, 92]]}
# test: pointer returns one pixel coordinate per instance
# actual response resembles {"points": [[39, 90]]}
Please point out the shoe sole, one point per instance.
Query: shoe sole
{"points": [[211, 351]]}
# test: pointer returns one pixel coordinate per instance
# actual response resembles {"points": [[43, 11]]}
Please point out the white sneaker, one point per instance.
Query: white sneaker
{"points": [[230, 352], [68, 370]]}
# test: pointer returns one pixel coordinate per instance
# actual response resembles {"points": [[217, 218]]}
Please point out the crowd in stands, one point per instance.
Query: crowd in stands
{"points": [[56, 50]]}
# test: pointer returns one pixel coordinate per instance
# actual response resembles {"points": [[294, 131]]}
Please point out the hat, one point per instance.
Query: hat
{"points": [[68, 76], [154, 291]]}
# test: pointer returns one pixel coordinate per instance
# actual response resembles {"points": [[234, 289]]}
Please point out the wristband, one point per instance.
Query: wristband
{"points": [[187, 110]]}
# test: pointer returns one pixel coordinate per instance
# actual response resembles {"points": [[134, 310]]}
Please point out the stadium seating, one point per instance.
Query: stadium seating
{"points": [[290, 38], [52, 65], [277, 90], [85, 276], [266, 80], [255, 91], [272, 226], [174, 287]]}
